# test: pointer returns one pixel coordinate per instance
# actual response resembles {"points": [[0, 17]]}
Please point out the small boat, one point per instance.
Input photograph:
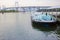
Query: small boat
{"points": [[43, 18]]}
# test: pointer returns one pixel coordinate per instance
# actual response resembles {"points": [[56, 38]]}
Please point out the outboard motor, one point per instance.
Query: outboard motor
{"points": [[46, 14]]}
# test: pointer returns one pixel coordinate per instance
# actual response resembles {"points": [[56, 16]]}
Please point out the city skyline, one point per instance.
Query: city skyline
{"points": [[10, 3]]}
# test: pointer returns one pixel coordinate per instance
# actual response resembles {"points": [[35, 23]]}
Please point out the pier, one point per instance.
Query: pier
{"points": [[58, 19]]}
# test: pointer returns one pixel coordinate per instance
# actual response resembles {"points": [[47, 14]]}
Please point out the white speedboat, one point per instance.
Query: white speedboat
{"points": [[43, 18]]}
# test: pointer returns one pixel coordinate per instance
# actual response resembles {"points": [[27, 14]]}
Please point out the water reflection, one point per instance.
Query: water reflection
{"points": [[17, 26], [48, 30]]}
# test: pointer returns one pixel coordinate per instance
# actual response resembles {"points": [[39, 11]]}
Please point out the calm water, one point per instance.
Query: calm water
{"points": [[18, 26]]}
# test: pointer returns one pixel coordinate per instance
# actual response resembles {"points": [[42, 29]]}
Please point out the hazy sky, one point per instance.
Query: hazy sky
{"points": [[9, 3]]}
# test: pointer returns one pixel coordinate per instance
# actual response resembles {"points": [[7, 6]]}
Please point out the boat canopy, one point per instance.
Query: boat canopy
{"points": [[46, 17]]}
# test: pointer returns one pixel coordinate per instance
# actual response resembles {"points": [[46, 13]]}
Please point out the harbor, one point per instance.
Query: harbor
{"points": [[29, 19], [17, 24]]}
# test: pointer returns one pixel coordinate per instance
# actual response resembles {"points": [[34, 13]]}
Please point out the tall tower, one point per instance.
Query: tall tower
{"points": [[3, 7], [16, 6]]}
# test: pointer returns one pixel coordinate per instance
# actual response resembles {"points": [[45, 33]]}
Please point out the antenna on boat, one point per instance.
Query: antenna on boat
{"points": [[56, 13], [46, 12], [52, 11], [42, 10]]}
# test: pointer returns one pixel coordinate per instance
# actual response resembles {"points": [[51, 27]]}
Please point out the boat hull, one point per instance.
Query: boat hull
{"points": [[45, 23]]}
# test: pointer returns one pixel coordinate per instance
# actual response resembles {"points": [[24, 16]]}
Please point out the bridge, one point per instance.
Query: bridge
{"points": [[28, 9]]}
